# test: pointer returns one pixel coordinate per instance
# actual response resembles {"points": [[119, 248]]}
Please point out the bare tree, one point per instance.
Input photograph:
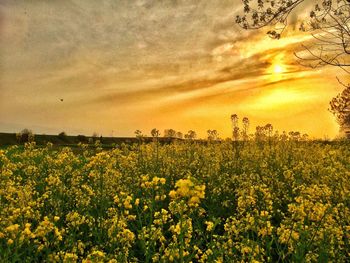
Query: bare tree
{"points": [[328, 23]]}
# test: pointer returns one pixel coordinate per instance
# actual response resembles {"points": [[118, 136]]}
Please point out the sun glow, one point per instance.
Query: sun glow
{"points": [[281, 98], [278, 69]]}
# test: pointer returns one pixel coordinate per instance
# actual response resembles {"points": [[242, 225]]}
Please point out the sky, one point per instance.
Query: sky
{"points": [[111, 67]]}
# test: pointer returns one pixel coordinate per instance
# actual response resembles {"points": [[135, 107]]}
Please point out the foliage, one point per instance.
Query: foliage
{"points": [[285, 200], [138, 134], [213, 135], [340, 107], [155, 133], [82, 138], [62, 136], [169, 133], [191, 135], [24, 136]]}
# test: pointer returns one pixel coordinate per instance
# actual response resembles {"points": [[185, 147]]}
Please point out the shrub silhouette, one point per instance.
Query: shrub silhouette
{"points": [[25, 135], [82, 138], [62, 136]]}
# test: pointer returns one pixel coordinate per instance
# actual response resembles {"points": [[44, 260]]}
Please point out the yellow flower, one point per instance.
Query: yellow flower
{"points": [[194, 200], [185, 188], [210, 225], [162, 180], [12, 228], [172, 194], [127, 203]]}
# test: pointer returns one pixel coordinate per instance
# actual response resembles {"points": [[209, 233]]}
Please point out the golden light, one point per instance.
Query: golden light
{"points": [[278, 69]]}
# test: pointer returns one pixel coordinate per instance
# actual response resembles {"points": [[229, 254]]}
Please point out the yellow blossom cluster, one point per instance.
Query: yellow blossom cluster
{"points": [[187, 201], [185, 188]]}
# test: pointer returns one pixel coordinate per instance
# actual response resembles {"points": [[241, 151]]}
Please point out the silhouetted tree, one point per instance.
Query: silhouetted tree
{"points": [[82, 138], [340, 107], [212, 135], [235, 128], [284, 136], [191, 135], [259, 133], [245, 128], [138, 133], [268, 130], [169, 133], [264, 133], [305, 137], [62, 136], [25, 135], [155, 133], [93, 138], [179, 135], [294, 135]]}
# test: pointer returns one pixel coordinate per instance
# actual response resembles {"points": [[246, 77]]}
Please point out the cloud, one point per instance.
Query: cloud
{"points": [[128, 58]]}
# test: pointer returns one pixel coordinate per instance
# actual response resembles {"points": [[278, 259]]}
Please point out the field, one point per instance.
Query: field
{"points": [[267, 201]]}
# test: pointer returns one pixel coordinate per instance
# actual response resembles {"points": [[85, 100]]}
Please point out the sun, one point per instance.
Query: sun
{"points": [[278, 69]]}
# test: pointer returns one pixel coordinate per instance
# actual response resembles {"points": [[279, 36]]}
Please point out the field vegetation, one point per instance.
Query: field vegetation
{"points": [[265, 200]]}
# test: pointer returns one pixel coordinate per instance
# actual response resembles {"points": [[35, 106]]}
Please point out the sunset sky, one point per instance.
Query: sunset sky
{"points": [[126, 65]]}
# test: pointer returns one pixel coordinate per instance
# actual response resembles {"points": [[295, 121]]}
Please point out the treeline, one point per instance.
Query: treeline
{"points": [[240, 132]]}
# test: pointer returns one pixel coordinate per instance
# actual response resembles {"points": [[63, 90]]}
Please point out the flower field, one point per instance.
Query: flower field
{"points": [[179, 202]]}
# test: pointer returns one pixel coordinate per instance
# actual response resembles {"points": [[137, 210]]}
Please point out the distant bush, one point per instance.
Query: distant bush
{"points": [[24, 136], [94, 138], [62, 136], [82, 138]]}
